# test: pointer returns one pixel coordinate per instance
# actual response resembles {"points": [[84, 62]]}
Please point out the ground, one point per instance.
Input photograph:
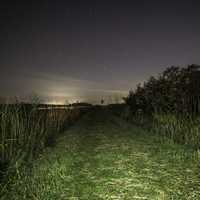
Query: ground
{"points": [[104, 158]]}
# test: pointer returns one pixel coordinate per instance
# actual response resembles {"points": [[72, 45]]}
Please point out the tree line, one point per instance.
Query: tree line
{"points": [[175, 90]]}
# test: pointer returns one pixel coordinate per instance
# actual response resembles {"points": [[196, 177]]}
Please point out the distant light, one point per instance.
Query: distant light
{"points": [[55, 102]]}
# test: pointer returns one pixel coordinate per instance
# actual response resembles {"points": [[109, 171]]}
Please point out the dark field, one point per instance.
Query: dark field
{"points": [[103, 157]]}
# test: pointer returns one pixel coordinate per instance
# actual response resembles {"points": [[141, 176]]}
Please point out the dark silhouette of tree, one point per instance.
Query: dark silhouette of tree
{"points": [[175, 90]]}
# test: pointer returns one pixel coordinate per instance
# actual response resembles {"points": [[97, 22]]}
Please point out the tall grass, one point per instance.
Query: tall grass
{"points": [[25, 131], [173, 127], [179, 129]]}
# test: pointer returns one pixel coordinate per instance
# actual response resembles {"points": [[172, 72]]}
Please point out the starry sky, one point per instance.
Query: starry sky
{"points": [[88, 50]]}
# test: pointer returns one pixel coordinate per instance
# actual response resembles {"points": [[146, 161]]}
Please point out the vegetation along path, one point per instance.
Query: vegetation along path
{"points": [[103, 157]]}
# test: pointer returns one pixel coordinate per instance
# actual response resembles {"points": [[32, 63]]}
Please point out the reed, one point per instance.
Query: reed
{"points": [[25, 131], [178, 129]]}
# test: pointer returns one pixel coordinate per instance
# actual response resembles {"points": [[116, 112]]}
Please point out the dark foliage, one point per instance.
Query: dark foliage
{"points": [[176, 90]]}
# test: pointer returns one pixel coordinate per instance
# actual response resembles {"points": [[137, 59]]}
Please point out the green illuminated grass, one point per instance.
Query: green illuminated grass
{"points": [[104, 158]]}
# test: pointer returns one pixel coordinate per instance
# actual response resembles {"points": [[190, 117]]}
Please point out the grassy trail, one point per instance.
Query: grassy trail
{"points": [[104, 158]]}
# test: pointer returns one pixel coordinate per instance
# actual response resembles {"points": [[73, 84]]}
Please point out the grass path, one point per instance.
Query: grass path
{"points": [[104, 158]]}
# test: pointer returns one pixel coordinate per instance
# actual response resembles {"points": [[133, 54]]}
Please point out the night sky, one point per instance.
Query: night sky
{"points": [[88, 50]]}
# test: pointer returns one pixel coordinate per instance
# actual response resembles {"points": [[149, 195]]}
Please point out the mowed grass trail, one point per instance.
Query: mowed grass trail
{"points": [[103, 157]]}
